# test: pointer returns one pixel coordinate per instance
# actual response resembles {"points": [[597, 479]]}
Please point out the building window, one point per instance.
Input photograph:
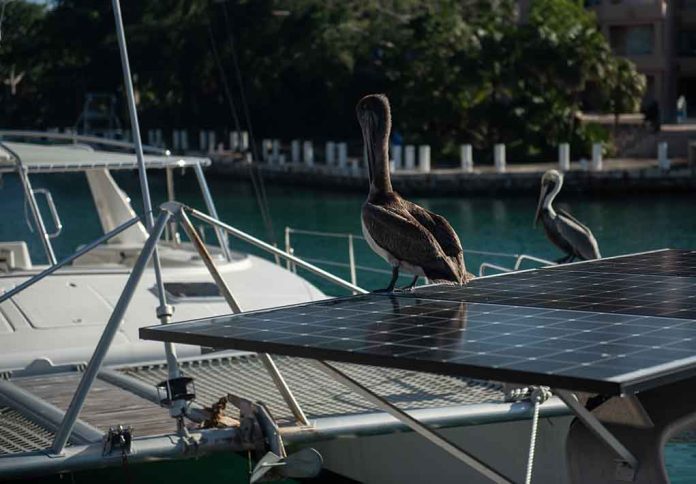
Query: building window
{"points": [[687, 43], [632, 40]]}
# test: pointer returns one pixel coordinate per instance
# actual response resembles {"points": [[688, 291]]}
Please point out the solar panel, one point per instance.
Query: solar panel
{"points": [[592, 331], [672, 262], [581, 290]]}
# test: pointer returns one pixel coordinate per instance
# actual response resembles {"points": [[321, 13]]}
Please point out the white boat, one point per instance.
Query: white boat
{"points": [[80, 390], [76, 301], [53, 322]]}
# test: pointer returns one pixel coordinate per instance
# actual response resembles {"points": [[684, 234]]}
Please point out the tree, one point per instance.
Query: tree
{"points": [[624, 88]]}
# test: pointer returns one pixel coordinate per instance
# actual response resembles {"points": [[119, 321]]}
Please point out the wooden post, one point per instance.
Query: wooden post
{"points": [[308, 153], [234, 140], [295, 150], [342, 155], [597, 156], [244, 141], [397, 152], [330, 153], [424, 158], [202, 140], [266, 147], [211, 141], [564, 157], [275, 151], [499, 157], [410, 157], [663, 161], [466, 158]]}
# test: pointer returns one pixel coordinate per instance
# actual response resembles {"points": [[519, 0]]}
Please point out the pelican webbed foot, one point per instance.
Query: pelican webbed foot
{"points": [[565, 259], [410, 287], [392, 283]]}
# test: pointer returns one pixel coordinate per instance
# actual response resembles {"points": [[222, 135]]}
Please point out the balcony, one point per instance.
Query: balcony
{"points": [[628, 11]]}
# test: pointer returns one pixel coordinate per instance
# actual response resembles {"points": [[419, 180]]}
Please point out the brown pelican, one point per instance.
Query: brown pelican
{"points": [[407, 236], [562, 229]]}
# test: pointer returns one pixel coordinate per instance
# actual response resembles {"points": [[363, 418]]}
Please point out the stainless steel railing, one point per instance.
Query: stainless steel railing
{"points": [[516, 259], [167, 211]]}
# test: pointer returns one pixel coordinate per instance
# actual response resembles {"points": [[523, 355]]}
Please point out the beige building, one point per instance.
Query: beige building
{"points": [[659, 36]]}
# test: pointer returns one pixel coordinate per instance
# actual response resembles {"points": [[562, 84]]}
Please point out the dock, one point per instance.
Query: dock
{"points": [[616, 176]]}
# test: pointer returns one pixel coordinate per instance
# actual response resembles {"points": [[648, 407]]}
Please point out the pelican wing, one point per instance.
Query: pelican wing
{"points": [[439, 227], [578, 235], [407, 240]]}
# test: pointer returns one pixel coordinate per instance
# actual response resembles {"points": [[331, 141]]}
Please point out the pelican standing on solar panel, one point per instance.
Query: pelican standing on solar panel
{"points": [[562, 229], [402, 233]]}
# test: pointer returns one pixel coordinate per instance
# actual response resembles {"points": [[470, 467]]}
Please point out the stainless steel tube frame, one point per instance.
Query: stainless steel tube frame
{"points": [[36, 214], [266, 359], [212, 210], [47, 272], [414, 424], [276, 251], [107, 336]]}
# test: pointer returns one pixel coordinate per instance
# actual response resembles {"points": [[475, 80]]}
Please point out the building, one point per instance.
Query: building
{"points": [[659, 36], [649, 33]]}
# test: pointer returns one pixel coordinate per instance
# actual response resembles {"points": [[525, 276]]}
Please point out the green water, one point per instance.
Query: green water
{"points": [[621, 224]]}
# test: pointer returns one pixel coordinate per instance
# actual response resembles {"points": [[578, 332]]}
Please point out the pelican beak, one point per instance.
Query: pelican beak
{"points": [[542, 196]]}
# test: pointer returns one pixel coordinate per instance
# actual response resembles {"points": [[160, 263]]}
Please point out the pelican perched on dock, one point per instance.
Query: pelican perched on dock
{"points": [[407, 236], [562, 229]]}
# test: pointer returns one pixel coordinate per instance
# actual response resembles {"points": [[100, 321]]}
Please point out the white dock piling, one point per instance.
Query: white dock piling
{"points": [[597, 156], [234, 140], [308, 153], [266, 147], [330, 153], [564, 157], [211, 141], [342, 155], [397, 152], [183, 139], [663, 162], [275, 152], [410, 157], [424, 158], [202, 140], [295, 150], [244, 141], [499, 157], [466, 158]]}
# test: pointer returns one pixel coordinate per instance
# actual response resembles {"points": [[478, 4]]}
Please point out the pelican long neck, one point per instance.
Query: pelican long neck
{"points": [[378, 161], [379, 166], [551, 196]]}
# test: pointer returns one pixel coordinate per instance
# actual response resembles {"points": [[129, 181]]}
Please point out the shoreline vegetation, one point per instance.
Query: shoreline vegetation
{"points": [[480, 72]]}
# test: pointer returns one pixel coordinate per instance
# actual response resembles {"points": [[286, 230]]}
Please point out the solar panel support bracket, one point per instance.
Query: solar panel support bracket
{"points": [[628, 464], [268, 363], [422, 429]]}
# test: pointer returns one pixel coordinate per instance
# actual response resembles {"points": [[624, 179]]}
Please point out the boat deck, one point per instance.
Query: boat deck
{"points": [[112, 403]]}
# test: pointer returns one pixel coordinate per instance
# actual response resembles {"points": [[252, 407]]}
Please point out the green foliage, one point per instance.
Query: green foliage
{"points": [[456, 70]]}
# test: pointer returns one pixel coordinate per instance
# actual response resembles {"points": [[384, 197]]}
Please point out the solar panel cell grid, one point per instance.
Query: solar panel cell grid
{"points": [[583, 330]]}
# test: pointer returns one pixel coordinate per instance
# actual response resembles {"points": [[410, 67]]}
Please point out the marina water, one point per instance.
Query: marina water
{"points": [[622, 223]]}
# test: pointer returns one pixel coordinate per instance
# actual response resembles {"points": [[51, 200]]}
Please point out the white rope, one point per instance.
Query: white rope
{"points": [[538, 396]]}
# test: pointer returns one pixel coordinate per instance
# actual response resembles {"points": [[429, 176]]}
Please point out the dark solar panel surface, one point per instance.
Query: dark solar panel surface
{"points": [[594, 331]]}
